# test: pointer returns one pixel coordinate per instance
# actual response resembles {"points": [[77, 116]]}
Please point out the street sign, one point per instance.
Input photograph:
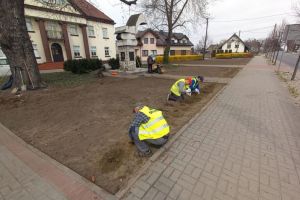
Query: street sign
{"points": [[291, 32]]}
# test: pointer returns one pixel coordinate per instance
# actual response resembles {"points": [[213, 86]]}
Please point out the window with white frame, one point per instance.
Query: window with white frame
{"points": [[29, 24], [94, 51], [151, 40], [229, 46], [91, 31], [154, 52], [145, 40], [36, 52], [145, 53], [106, 50], [73, 29], [76, 51], [105, 33]]}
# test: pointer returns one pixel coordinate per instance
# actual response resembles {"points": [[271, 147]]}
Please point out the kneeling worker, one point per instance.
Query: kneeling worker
{"points": [[179, 89], [195, 86], [149, 126]]}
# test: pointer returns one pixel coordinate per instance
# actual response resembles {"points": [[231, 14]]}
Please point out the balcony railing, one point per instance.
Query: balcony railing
{"points": [[55, 34]]}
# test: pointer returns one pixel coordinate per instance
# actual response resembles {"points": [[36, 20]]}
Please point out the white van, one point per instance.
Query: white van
{"points": [[4, 66]]}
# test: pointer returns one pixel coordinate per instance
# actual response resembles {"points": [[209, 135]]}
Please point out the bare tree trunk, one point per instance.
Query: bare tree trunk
{"points": [[168, 47], [16, 44]]}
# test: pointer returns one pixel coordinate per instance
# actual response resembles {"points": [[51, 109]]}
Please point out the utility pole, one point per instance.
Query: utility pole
{"points": [[239, 33], [278, 50], [296, 68], [204, 52]]}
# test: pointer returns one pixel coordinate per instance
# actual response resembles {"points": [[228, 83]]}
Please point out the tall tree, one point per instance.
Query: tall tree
{"points": [[172, 14], [16, 44]]}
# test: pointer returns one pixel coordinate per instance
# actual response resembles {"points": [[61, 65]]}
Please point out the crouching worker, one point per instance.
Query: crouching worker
{"points": [[195, 84], [179, 89], [149, 126]]}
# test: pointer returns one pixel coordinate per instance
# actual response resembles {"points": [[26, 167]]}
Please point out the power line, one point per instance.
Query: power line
{"points": [[249, 19]]}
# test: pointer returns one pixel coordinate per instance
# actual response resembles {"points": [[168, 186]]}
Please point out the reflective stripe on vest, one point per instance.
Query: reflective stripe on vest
{"points": [[195, 82], [175, 89], [156, 127]]}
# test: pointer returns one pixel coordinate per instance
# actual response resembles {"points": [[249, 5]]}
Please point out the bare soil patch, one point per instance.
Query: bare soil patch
{"points": [[206, 71], [213, 61], [85, 127]]}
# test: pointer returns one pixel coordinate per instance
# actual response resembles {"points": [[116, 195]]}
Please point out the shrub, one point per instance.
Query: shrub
{"points": [[233, 55], [138, 62], [83, 65], [114, 63], [159, 59]]}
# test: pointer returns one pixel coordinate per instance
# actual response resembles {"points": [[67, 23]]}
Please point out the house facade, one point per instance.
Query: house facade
{"points": [[234, 45], [64, 31], [152, 42]]}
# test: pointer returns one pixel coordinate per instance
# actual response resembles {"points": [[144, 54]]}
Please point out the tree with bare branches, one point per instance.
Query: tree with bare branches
{"points": [[172, 14]]}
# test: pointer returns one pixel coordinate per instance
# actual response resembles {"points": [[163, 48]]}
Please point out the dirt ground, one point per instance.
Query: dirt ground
{"points": [[213, 61], [85, 127], [206, 71]]}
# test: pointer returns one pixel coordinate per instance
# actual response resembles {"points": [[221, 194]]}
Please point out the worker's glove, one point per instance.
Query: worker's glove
{"points": [[188, 92], [197, 91]]}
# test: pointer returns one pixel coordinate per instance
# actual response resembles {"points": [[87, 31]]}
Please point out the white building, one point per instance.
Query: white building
{"points": [[152, 42], [234, 45], [67, 31]]}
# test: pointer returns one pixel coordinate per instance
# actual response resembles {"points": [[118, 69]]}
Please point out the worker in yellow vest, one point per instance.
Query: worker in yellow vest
{"points": [[148, 126], [180, 88]]}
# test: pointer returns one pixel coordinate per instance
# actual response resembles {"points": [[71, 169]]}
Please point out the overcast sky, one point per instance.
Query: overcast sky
{"points": [[224, 16]]}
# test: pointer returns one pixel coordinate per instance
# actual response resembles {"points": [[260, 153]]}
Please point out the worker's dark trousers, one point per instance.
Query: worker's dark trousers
{"points": [[149, 68], [174, 97], [142, 145]]}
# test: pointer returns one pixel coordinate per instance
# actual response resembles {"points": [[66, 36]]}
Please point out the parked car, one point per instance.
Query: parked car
{"points": [[4, 66]]}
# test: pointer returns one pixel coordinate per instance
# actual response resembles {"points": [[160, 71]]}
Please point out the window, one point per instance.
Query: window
{"points": [[94, 51], [145, 53], [183, 52], [228, 46], [154, 52], [122, 56], [131, 56], [151, 40], [145, 40], [76, 51], [91, 31], [173, 41], [36, 52], [106, 50], [237, 46], [172, 52], [105, 33], [29, 24], [73, 29]]}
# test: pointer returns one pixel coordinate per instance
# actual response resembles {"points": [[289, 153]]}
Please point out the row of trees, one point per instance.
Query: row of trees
{"points": [[16, 44]]}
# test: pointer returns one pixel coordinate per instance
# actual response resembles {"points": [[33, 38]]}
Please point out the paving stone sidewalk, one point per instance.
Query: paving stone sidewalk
{"points": [[245, 146]]}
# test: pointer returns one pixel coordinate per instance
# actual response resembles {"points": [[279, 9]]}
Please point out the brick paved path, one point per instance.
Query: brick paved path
{"points": [[246, 145]]}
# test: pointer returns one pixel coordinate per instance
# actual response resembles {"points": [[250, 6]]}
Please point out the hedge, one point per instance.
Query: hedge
{"points": [[233, 55], [82, 66], [114, 63], [159, 59]]}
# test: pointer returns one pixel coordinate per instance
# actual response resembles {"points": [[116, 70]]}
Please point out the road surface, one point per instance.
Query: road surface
{"points": [[288, 59]]}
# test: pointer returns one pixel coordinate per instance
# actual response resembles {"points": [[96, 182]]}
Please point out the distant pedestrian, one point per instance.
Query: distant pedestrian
{"points": [[150, 62]]}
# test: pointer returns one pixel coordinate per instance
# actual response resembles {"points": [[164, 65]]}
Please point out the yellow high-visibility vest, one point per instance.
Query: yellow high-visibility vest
{"points": [[156, 127], [175, 89]]}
